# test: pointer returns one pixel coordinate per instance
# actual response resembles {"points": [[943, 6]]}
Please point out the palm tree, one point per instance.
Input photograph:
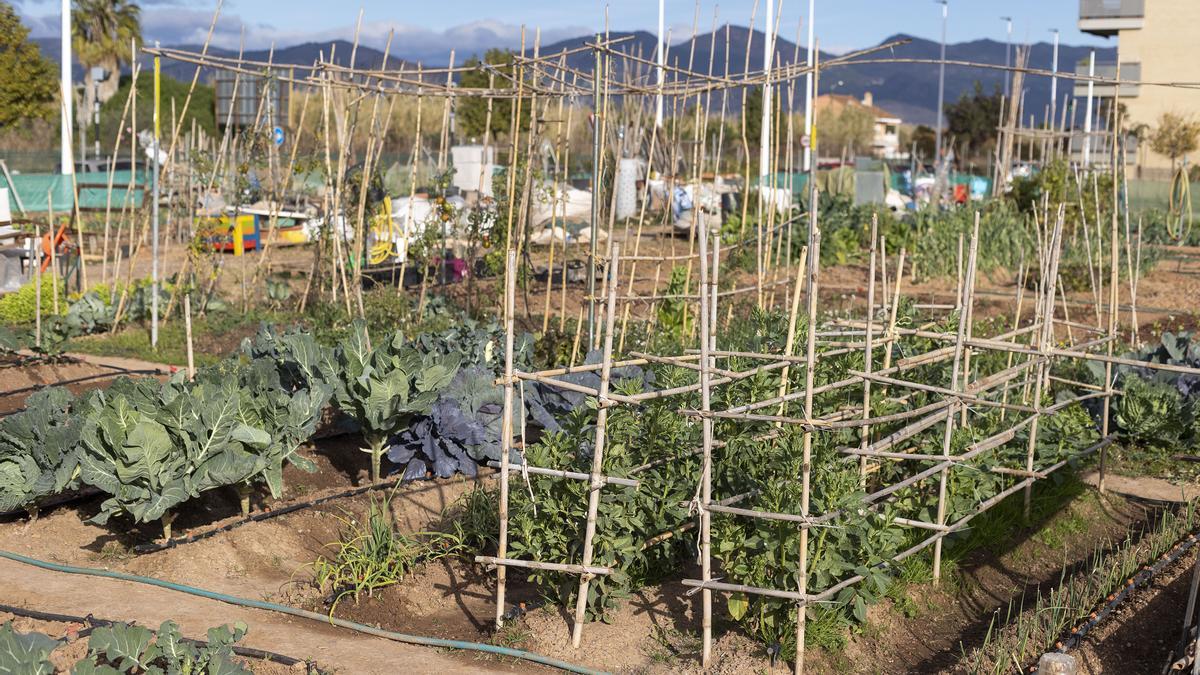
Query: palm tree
{"points": [[102, 33]]}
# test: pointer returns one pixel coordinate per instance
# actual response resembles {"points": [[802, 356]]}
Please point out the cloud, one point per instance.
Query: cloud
{"points": [[178, 25]]}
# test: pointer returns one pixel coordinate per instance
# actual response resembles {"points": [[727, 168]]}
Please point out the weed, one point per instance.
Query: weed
{"points": [[511, 635], [372, 555], [668, 644], [113, 550]]}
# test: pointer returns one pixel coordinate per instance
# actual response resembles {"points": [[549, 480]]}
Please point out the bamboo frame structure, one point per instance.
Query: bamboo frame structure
{"points": [[966, 389]]}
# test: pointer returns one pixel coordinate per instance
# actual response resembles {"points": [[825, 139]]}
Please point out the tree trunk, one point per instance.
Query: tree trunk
{"points": [[84, 113], [108, 88]]}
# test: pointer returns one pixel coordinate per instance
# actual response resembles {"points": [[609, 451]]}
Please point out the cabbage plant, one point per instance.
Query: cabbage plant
{"points": [[386, 386], [38, 455], [151, 447]]}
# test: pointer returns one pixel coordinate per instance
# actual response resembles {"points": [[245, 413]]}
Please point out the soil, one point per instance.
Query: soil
{"points": [[267, 560], [1139, 636], [942, 622], [23, 374]]}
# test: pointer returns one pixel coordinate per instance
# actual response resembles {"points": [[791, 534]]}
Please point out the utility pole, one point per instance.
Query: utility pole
{"points": [[1007, 56], [1053, 83], [597, 112], [808, 86], [937, 159], [1087, 117], [662, 57], [764, 149], [66, 157], [154, 285]]}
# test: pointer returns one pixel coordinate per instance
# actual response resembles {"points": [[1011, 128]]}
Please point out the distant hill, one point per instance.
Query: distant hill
{"points": [[907, 90]]}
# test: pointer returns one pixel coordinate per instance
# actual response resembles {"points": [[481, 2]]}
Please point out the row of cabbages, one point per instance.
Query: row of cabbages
{"points": [[429, 403]]}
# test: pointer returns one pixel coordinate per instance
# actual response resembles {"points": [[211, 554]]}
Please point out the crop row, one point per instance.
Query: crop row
{"points": [[150, 446]]}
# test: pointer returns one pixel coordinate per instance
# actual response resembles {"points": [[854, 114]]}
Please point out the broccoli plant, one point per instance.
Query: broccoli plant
{"points": [[125, 648]]}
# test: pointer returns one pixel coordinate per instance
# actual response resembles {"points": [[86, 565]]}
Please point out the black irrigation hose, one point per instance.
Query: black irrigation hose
{"points": [[57, 500], [92, 623], [1138, 580], [77, 380], [261, 516]]}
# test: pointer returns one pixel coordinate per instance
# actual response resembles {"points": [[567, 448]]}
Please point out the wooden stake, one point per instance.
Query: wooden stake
{"points": [[598, 451], [506, 428], [706, 364], [793, 316], [187, 329], [967, 290], [37, 286], [869, 348]]}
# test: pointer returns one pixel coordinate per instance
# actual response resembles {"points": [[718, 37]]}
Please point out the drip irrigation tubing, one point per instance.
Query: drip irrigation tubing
{"points": [[53, 502], [77, 380], [261, 516], [305, 614], [1133, 583], [92, 623]]}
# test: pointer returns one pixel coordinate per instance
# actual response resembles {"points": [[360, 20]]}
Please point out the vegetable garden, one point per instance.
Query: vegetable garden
{"points": [[723, 429]]}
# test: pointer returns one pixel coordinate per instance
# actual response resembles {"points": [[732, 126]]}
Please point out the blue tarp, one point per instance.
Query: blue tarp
{"points": [[36, 190]]}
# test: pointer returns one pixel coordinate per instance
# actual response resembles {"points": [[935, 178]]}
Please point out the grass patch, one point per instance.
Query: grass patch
{"points": [[213, 338]]}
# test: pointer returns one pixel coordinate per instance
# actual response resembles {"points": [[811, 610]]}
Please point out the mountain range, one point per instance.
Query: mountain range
{"points": [[909, 91]]}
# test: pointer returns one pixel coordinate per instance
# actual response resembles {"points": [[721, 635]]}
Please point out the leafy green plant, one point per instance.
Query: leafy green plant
{"points": [[20, 306], [126, 648], [153, 447], [38, 455], [25, 653], [288, 415], [371, 554], [1151, 414], [385, 387]]}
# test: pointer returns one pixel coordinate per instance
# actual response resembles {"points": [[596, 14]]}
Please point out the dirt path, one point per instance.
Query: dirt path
{"points": [[1145, 487], [343, 650]]}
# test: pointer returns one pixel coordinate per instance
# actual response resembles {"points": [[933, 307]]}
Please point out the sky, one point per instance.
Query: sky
{"points": [[427, 30]]}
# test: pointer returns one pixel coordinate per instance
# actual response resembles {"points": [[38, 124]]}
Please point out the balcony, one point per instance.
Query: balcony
{"points": [[1109, 17], [1130, 72]]}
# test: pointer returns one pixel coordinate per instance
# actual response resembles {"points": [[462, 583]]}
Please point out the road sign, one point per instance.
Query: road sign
{"points": [[277, 135]]}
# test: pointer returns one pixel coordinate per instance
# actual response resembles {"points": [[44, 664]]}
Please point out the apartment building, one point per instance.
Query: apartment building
{"points": [[885, 140], [1157, 41]]}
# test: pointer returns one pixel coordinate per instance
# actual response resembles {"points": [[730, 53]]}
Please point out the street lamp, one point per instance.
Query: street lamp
{"points": [[808, 86], [66, 89], [941, 83], [1054, 81], [1007, 54]]}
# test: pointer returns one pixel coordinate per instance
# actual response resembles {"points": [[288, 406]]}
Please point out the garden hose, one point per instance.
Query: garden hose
{"points": [[284, 609], [381, 251]]}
